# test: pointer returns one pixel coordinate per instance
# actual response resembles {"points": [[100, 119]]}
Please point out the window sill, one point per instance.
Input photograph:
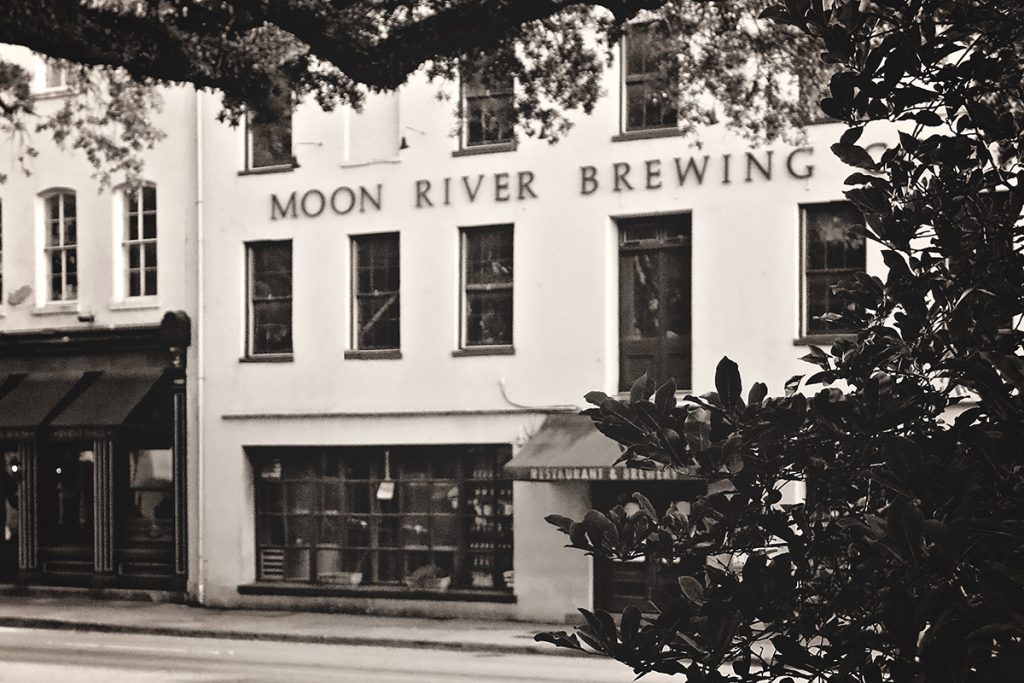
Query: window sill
{"points": [[52, 93], [485, 351], [373, 354], [56, 308], [494, 148], [823, 339], [262, 170], [381, 592], [268, 358], [647, 134], [134, 304]]}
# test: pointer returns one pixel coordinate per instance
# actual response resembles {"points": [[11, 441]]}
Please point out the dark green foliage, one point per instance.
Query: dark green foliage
{"points": [[264, 55], [905, 560]]}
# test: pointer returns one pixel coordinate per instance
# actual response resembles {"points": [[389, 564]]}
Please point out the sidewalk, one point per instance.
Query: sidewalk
{"points": [[111, 616]]}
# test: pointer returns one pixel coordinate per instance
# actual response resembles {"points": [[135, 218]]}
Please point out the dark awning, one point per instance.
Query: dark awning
{"points": [[569, 447], [109, 400], [24, 408]]}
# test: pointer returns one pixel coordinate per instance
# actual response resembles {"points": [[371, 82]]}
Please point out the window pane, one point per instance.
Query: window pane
{"points": [[270, 530], [150, 281], [488, 105], [149, 198], [642, 294], [150, 255], [489, 318], [270, 292], [271, 142], [133, 226], [489, 255], [377, 291], [835, 249], [149, 225]]}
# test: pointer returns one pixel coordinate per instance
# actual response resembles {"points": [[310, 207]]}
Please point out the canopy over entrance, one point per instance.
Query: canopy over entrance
{"points": [[569, 448]]}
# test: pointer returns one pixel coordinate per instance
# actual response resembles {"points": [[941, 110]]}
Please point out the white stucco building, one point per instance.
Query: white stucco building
{"points": [[393, 309]]}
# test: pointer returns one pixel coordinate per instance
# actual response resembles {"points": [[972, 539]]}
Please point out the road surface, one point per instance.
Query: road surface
{"points": [[44, 656]]}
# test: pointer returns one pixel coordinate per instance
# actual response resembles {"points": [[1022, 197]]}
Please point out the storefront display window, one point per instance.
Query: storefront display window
{"points": [[151, 481], [419, 517]]}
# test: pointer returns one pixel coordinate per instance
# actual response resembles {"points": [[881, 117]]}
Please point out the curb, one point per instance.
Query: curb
{"points": [[100, 627]]}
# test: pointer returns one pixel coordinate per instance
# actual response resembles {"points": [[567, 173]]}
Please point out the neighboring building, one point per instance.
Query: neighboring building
{"points": [[399, 322], [96, 405]]}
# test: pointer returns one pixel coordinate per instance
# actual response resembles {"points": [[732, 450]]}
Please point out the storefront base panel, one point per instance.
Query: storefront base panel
{"points": [[392, 607], [127, 594]]}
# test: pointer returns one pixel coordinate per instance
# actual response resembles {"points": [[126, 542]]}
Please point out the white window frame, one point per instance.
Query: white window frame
{"points": [[129, 196], [43, 65], [249, 148], [464, 142], [45, 281], [624, 80]]}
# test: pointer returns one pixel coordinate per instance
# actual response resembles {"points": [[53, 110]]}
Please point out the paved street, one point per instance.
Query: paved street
{"points": [[38, 655]]}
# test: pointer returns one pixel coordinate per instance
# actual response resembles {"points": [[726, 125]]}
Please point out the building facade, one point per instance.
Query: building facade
{"points": [[335, 361], [96, 401], [402, 312]]}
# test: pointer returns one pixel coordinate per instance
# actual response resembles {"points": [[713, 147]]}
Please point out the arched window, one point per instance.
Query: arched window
{"points": [[140, 241], [61, 251]]}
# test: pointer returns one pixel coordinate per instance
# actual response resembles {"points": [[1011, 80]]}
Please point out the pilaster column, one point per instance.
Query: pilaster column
{"points": [[28, 543], [103, 506]]}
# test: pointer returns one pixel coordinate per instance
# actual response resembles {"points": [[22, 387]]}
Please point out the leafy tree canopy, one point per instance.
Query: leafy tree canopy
{"points": [[724, 62], [905, 562]]}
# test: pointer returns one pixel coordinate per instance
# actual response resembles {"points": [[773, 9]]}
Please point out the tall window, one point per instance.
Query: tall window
{"points": [[423, 517], [649, 102], [376, 291], [61, 245], [140, 241], [487, 266], [654, 299], [269, 140], [1, 256], [270, 298], [834, 249], [487, 105]]}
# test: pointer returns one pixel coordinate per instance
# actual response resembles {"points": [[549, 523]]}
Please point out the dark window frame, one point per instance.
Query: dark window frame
{"points": [[136, 207], [646, 80], [251, 352], [817, 329], [347, 519], [66, 248], [392, 298], [669, 235], [482, 290]]}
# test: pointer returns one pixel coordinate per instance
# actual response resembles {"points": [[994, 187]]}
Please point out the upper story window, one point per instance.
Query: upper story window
{"points": [[648, 101], [140, 241], [487, 268], [654, 299], [269, 140], [834, 249], [270, 298], [61, 245], [1, 256], [376, 304], [56, 76], [487, 106]]}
